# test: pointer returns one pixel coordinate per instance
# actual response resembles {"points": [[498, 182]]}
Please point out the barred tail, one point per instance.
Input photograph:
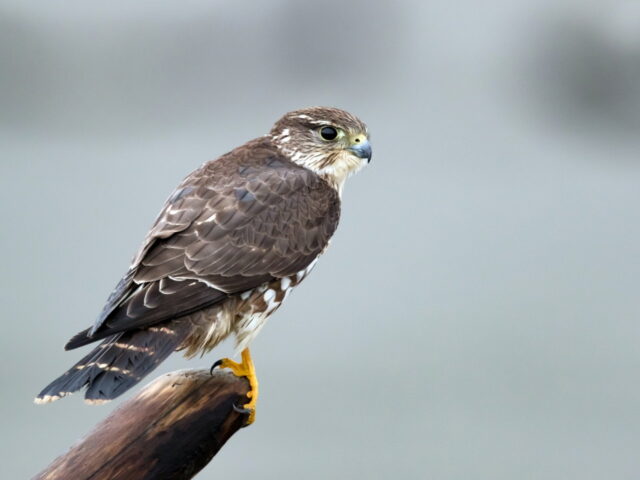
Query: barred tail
{"points": [[118, 363]]}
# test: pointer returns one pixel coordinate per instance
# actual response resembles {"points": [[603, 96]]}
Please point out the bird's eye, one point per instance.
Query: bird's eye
{"points": [[328, 133]]}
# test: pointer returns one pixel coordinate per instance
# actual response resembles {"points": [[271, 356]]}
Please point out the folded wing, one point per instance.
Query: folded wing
{"points": [[235, 223]]}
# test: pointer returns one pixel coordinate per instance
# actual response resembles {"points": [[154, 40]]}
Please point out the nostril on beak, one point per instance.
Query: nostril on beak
{"points": [[361, 148]]}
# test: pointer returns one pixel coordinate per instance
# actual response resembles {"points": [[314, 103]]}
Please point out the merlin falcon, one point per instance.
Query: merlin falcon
{"points": [[231, 242]]}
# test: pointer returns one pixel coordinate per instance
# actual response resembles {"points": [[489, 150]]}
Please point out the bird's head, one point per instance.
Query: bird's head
{"points": [[331, 142]]}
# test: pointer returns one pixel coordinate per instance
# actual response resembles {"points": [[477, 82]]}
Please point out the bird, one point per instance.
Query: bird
{"points": [[229, 245]]}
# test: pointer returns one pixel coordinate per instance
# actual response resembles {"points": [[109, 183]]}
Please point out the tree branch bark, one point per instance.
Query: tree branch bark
{"points": [[169, 431]]}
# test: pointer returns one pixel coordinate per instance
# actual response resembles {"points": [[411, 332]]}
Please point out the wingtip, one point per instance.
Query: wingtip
{"points": [[79, 340]]}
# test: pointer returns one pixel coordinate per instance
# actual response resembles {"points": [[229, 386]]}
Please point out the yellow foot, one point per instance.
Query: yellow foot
{"points": [[244, 369]]}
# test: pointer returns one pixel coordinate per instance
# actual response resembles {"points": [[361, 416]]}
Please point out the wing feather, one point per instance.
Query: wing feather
{"points": [[233, 224]]}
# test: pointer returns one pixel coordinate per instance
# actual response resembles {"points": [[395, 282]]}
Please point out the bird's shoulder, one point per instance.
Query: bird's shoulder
{"points": [[247, 179]]}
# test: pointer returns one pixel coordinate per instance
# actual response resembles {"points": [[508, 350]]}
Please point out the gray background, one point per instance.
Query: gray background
{"points": [[477, 315]]}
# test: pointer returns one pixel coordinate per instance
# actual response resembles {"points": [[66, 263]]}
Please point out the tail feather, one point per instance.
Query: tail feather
{"points": [[118, 363]]}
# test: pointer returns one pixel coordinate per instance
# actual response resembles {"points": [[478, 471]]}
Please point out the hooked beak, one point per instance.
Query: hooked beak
{"points": [[362, 149]]}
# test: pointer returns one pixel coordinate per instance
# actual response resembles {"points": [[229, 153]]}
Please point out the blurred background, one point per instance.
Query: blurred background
{"points": [[477, 315]]}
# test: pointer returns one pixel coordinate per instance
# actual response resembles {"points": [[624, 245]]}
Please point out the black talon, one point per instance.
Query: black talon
{"points": [[216, 364], [238, 409], [244, 411]]}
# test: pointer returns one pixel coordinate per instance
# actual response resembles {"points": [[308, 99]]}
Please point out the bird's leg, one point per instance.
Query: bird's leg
{"points": [[244, 369]]}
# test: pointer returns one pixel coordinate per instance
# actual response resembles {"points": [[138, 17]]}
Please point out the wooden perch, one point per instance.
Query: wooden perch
{"points": [[169, 431]]}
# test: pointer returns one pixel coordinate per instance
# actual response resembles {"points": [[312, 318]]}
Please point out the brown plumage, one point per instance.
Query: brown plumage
{"points": [[228, 246]]}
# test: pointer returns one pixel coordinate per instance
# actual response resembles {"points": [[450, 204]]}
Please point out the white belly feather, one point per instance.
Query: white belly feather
{"points": [[244, 315]]}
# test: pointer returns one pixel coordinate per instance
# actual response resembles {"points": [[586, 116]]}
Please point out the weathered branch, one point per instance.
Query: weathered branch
{"points": [[169, 431]]}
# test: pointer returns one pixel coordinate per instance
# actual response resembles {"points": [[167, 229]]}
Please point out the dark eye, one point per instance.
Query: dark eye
{"points": [[328, 133]]}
